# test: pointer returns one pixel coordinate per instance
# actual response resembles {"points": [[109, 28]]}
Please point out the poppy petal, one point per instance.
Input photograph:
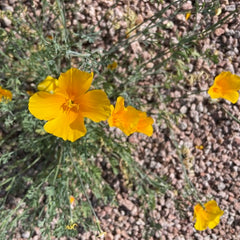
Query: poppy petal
{"points": [[200, 225], [214, 213], [145, 125], [44, 105], [49, 84], [214, 223], [214, 92], [94, 105], [68, 126], [231, 96], [126, 120], [119, 104], [227, 81], [213, 208], [200, 216], [130, 119], [75, 82], [110, 119]]}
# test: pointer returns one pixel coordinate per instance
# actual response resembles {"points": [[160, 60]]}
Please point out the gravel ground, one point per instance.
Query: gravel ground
{"points": [[214, 169]]}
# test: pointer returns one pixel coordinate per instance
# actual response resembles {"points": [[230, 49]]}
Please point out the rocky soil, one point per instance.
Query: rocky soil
{"points": [[206, 133]]}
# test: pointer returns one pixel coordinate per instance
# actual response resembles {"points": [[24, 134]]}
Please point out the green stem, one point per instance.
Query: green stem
{"points": [[58, 166], [70, 205], [85, 193], [63, 19], [233, 117], [187, 180]]}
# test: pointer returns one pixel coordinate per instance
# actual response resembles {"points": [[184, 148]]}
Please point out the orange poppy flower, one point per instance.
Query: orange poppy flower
{"points": [[225, 86], [209, 216], [129, 119], [5, 95], [65, 109]]}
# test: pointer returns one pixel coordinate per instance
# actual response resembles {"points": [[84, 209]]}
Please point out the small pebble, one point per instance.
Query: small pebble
{"points": [[26, 234]]}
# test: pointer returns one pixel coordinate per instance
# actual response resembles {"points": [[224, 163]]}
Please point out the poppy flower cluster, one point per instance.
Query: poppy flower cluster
{"points": [[66, 101]]}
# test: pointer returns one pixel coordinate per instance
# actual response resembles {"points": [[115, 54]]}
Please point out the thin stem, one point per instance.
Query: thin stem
{"points": [[187, 180], [63, 19], [152, 20], [70, 205], [233, 117], [58, 166], [85, 193]]}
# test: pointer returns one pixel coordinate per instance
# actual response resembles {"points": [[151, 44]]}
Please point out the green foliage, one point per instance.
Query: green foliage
{"points": [[39, 172]]}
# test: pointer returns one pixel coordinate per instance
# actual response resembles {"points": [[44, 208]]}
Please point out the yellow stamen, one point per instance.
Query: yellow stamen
{"points": [[70, 105]]}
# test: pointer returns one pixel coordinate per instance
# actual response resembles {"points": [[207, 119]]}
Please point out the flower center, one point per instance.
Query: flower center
{"points": [[70, 105]]}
